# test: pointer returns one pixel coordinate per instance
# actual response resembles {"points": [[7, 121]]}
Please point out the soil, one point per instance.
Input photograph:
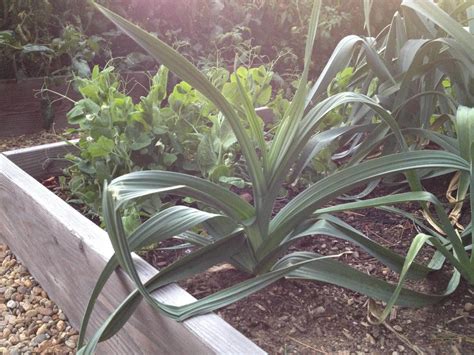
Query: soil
{"points": [[53, 183], [293, 316]]}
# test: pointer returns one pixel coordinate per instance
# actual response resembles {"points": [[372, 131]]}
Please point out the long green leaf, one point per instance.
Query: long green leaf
{"points": [[338, 273], [142, 183], [287, 130], [205, 305], [429, 10], [297, 210], [310, 123], [319, 142], [165, 224], [340, 59], [334, 227], [367, 9], [189, 265], [415, 248]]}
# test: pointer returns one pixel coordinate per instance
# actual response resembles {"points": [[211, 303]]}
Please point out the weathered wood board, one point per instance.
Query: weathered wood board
{"points": [[43, 160], [21, 110], [66, 252]]}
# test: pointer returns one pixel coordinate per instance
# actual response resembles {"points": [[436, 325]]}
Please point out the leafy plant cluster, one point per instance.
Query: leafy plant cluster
{"points": [[380, 100], [212, 32], [48, 37], [172, 128], [42, 38], [45, 37]]}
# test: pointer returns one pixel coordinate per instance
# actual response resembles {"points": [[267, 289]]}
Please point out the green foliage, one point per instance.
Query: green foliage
{"points": [[211, 33], [248, 236], [457, 242], [323, 163], [182, 131], [420, 69], [42, 38]]}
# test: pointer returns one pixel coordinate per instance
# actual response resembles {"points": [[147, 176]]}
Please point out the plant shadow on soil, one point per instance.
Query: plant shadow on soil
{"points": [[294, 316]]}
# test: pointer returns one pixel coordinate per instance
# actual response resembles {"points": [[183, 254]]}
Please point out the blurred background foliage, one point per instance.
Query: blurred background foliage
{"points": [[47, 37]]}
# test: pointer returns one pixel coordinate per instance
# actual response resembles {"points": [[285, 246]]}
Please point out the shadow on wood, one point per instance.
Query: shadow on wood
{"points": [[66, 252]]}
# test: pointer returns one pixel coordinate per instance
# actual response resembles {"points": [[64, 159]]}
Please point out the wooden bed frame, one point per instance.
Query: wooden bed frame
{"points": [[66, 252]]}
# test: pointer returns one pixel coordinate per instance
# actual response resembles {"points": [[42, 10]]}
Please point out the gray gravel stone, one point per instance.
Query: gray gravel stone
{"points": [[70, 344], [11, 304], [30, 323], [43, 329], [9, 292], [37, 340], [31, 313]]}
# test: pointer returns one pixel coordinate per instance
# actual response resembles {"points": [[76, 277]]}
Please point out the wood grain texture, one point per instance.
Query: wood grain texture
{"points": [[66, 252], [20, 105], [43, 160]]}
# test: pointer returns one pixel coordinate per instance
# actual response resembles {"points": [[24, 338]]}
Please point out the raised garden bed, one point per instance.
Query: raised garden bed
{"points": [[298, 316], [66, 252], [288, 317]]}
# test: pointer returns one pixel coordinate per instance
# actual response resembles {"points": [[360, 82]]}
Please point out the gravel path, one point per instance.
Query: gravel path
{"points": [[29, 321]]}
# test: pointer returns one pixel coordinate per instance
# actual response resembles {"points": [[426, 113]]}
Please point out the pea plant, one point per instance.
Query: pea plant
{"points": [[179, 130], [246, 235]]}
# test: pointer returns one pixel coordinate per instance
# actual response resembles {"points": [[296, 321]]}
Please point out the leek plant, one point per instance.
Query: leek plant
{"points": [[420, 68], [248, 236], [457, 246]]}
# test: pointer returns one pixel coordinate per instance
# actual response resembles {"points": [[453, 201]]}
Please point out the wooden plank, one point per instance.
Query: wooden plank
{"points": [[21, 109], [43, 160], [66, 252]]}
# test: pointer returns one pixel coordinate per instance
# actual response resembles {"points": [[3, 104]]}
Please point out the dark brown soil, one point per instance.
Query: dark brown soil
{"points": [[311, 317], [52, 183], [293, 316]]}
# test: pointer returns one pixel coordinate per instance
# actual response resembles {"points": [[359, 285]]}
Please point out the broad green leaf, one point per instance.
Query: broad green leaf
{"points": [[101, 148], [206, 156]]}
